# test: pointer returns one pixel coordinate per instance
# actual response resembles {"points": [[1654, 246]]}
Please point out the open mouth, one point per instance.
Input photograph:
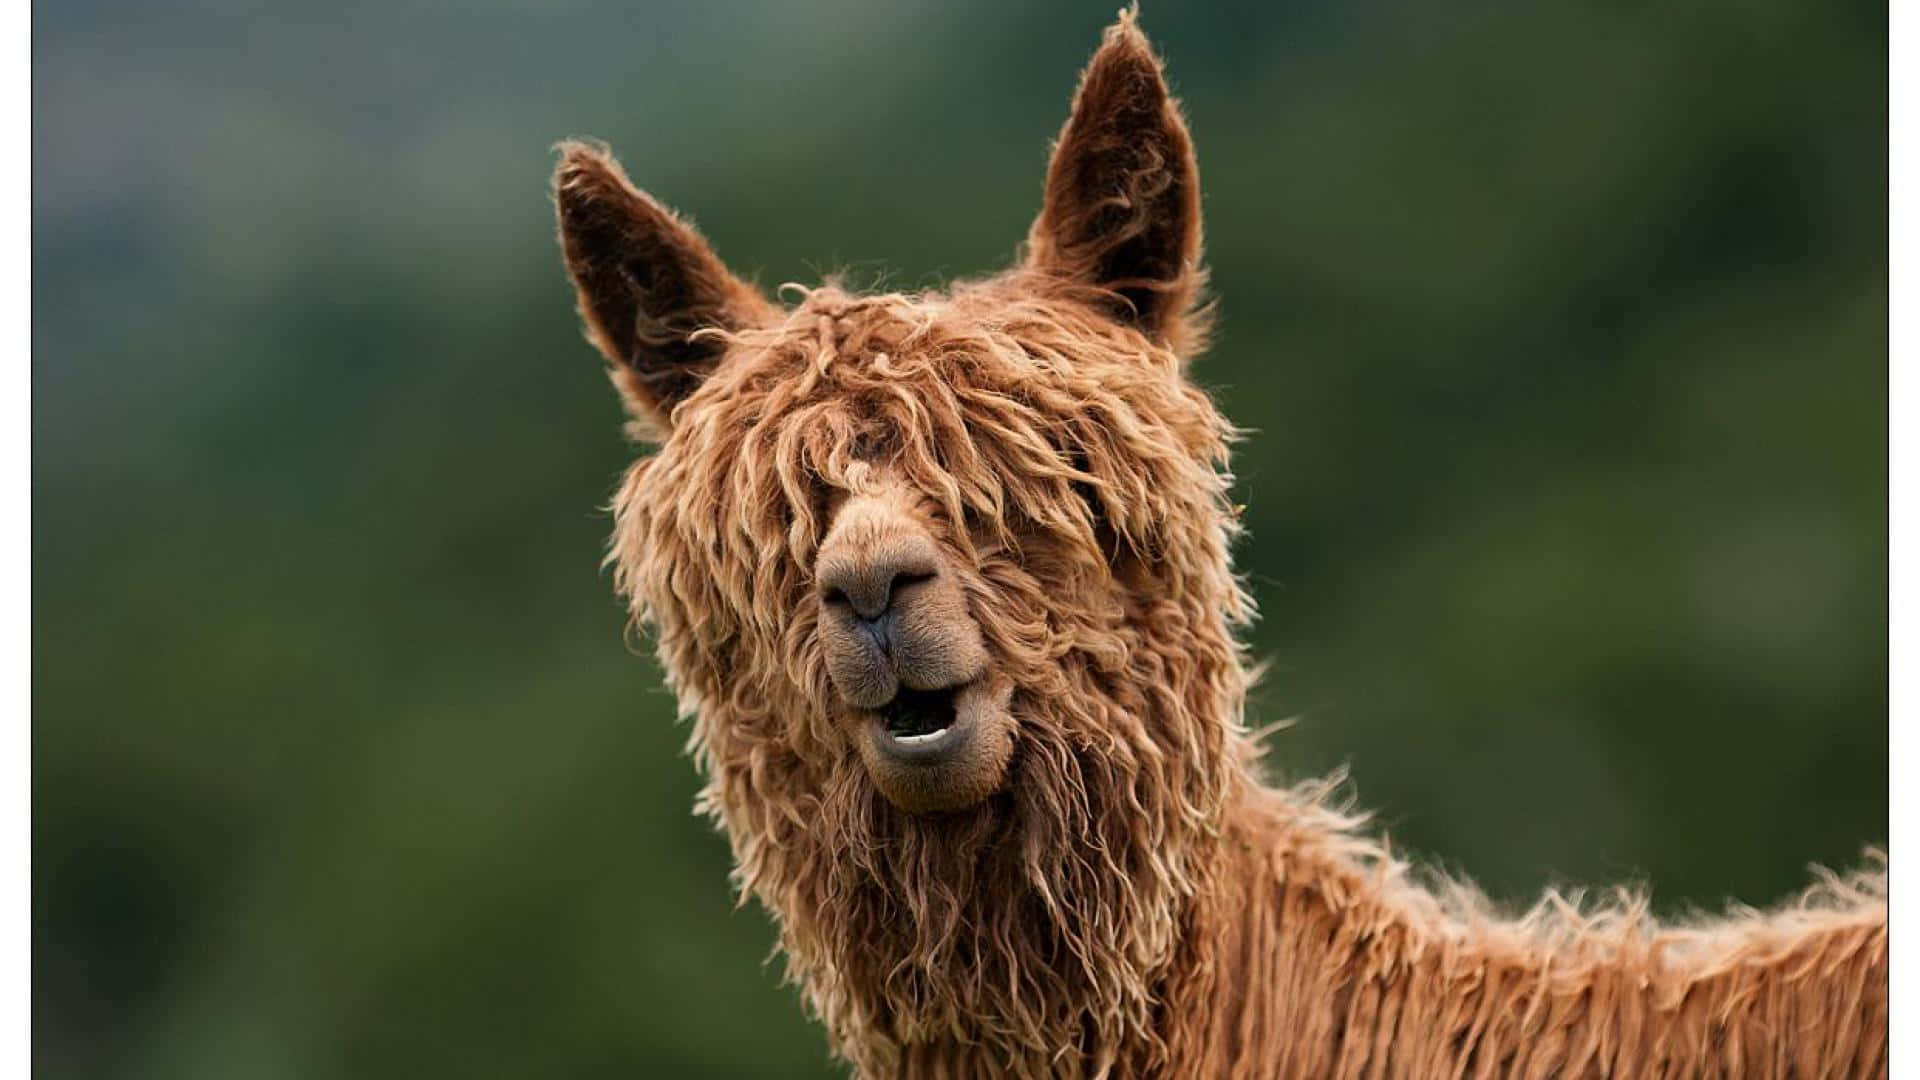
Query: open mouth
{"points": [[930, 751], [920, 718]]}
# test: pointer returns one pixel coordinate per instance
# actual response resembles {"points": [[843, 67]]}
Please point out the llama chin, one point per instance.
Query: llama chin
{"points": [[944, 581]]}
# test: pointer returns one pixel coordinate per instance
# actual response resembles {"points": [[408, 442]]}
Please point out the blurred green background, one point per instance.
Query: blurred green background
{"points": [[1561, 328]]}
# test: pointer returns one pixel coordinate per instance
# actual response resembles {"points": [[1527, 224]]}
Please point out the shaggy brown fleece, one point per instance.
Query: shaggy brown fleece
{"points": [[1122, 895]]}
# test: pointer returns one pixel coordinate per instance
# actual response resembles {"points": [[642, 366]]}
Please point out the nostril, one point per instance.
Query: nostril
{"points": [[869, 592], [903, 580]]}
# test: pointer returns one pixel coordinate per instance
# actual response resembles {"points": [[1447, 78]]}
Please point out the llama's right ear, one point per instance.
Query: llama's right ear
{"points": [[648, 284], [1122, 204]]}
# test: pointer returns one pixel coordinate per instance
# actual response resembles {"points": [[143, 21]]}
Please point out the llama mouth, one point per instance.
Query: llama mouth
{"points": [[920, 719], [933, 751]]}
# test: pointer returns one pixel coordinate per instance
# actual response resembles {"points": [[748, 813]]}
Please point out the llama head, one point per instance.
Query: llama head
{"points": [[943, 581]]}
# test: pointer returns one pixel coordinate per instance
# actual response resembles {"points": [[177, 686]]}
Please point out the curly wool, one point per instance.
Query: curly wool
{"points": [[1053, 459], [1134, 901]]}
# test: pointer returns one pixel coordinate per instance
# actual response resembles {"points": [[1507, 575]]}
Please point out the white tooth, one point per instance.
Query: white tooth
{"points": [[918, 740]]}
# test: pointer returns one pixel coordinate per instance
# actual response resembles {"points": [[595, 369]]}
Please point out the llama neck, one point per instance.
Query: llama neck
{"points": [[1316, 956]]}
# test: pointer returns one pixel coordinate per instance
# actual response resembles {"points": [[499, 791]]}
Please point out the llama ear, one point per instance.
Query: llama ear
{"points": [[647, 284], [1122, 204]]}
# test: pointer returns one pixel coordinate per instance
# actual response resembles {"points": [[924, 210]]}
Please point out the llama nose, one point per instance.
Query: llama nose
{"points": [[871, 589]]}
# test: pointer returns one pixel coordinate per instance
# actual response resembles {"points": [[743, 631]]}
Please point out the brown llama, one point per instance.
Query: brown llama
{"points": [[943, 582]]}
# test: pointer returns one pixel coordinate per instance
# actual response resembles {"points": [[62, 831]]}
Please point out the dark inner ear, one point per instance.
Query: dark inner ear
{"points": [[665, 310], [647, 283], [1122, 203]]}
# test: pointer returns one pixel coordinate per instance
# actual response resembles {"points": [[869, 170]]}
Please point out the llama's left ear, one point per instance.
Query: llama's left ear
{"points": [[649, 286], [1122, 205]]}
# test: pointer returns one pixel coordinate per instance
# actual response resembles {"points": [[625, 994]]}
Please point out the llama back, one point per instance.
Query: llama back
{"points": [[1322, 956]]}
